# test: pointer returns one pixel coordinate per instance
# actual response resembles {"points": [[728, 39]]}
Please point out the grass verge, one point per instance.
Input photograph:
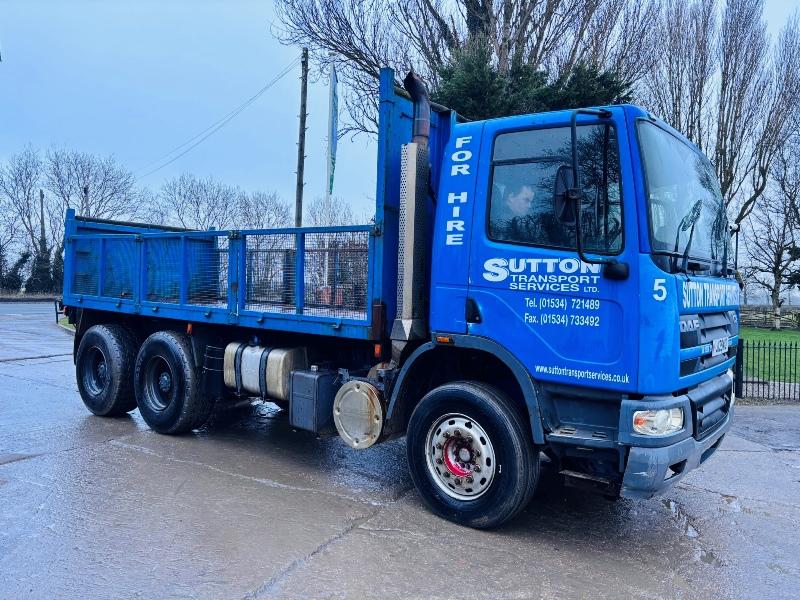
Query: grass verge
{"points": [[771, 355], [64, 322]]}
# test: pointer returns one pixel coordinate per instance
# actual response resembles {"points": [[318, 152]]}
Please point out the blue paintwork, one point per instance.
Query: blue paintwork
{"points": [[634, 347], [175, 267], [485, 345]]}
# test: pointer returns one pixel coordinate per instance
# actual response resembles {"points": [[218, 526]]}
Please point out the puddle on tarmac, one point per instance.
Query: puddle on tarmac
{"points": [[690, 531], [733, 503]]}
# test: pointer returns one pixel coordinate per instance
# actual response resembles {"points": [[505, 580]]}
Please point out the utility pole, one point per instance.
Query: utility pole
{"points": [[42, 238], [301, 141]]}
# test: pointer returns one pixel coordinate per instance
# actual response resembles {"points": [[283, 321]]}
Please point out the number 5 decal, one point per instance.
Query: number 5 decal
{"points": [[659, 290]]}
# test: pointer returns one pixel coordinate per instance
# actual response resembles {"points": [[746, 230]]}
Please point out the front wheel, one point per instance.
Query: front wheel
{"points": [[471, 455]]}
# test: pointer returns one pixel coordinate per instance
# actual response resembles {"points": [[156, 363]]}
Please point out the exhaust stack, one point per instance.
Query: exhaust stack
{"points": [[422, 109], [412, 261]]}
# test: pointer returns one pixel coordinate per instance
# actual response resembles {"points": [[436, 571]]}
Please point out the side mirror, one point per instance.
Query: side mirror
{"points": [[564, 204]]}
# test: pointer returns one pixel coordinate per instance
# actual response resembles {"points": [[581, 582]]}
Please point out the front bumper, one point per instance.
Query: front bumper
{"points": [[651, 469]]}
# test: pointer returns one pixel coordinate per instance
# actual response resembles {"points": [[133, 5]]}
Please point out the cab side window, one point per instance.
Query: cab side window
{"points": [[522, 204]]}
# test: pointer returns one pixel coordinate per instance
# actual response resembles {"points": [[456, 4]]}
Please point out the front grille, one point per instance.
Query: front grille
{"points": [[711, 402], [700, 330], [697, 330]]}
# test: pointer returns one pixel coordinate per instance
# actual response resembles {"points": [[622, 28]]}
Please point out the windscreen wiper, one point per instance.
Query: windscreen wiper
{"points": [[689, 220]]}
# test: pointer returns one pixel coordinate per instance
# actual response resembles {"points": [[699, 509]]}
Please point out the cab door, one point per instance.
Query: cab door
{"points": [[562, 317]]}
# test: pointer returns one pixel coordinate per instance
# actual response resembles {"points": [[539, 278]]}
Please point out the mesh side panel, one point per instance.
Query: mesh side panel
{"points": [[85, 278], [207, 268], [336, 272], [163, 264], [121, 267], [270, 272]]}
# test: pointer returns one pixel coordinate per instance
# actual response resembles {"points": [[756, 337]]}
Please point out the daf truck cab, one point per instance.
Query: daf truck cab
{"points": [[592, 246], [540, 288]]}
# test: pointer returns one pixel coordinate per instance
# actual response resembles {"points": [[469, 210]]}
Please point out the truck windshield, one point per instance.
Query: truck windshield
{"points": [[687, 213]]}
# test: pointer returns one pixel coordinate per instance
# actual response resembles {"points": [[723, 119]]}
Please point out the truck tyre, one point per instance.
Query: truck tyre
{"points": [[104, 370], [471, 454], [168, 385]]}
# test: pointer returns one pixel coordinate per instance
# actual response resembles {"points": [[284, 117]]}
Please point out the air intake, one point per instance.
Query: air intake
{"points": [[410, 322], [412, 260]]}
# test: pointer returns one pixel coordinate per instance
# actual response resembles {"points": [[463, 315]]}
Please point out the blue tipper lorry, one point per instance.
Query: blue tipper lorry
{"points": [[540, 287]]}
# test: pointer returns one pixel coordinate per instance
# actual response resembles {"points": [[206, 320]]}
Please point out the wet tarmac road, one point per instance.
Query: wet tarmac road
{"points": [[248, 508]]}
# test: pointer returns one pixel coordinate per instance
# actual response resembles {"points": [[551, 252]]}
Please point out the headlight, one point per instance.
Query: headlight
{"points": [[658, 422]]}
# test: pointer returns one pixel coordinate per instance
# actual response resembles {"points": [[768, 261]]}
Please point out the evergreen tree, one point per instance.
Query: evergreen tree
{"points": [[3, 267], [12, 280], [41, 279], [586, 86], [473, 86], [58, 270]]}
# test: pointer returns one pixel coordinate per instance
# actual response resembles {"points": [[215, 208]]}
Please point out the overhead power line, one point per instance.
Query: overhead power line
{"points": [[198, 139]]}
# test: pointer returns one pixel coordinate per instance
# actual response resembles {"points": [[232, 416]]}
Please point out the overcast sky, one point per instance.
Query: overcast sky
{"points": [[136, 79]]}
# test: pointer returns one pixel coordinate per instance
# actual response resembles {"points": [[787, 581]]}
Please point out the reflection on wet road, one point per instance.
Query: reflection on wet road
{"points": [[249, 508]]}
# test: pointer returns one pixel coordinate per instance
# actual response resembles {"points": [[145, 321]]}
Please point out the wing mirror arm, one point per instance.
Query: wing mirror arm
{"points": [[612, 268]]}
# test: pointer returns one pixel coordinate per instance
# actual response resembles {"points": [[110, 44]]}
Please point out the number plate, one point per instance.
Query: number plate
{"points": [[719, 346]]}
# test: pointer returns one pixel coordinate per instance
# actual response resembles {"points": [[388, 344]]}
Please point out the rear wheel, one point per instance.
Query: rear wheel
{"points": [[471, 455], [104, 370], [168, 385]]}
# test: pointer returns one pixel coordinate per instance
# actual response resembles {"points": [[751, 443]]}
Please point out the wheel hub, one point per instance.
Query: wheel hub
{"points": [[159, 378], [460, 456], [164, 382], [95, 372], [102, 371], [457, 459]]}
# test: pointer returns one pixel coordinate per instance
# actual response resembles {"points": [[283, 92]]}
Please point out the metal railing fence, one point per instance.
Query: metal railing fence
{"points": [[768, 371]]}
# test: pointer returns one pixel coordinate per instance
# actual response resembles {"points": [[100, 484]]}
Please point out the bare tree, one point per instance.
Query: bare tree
{"points": [[678, 85], [9, 235], [20, 180], [195, 203], [262, 210], [718, 79], [329, 211], [94, 186], [772, 239], [778, 120], [67, 176], [361, 36]]}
